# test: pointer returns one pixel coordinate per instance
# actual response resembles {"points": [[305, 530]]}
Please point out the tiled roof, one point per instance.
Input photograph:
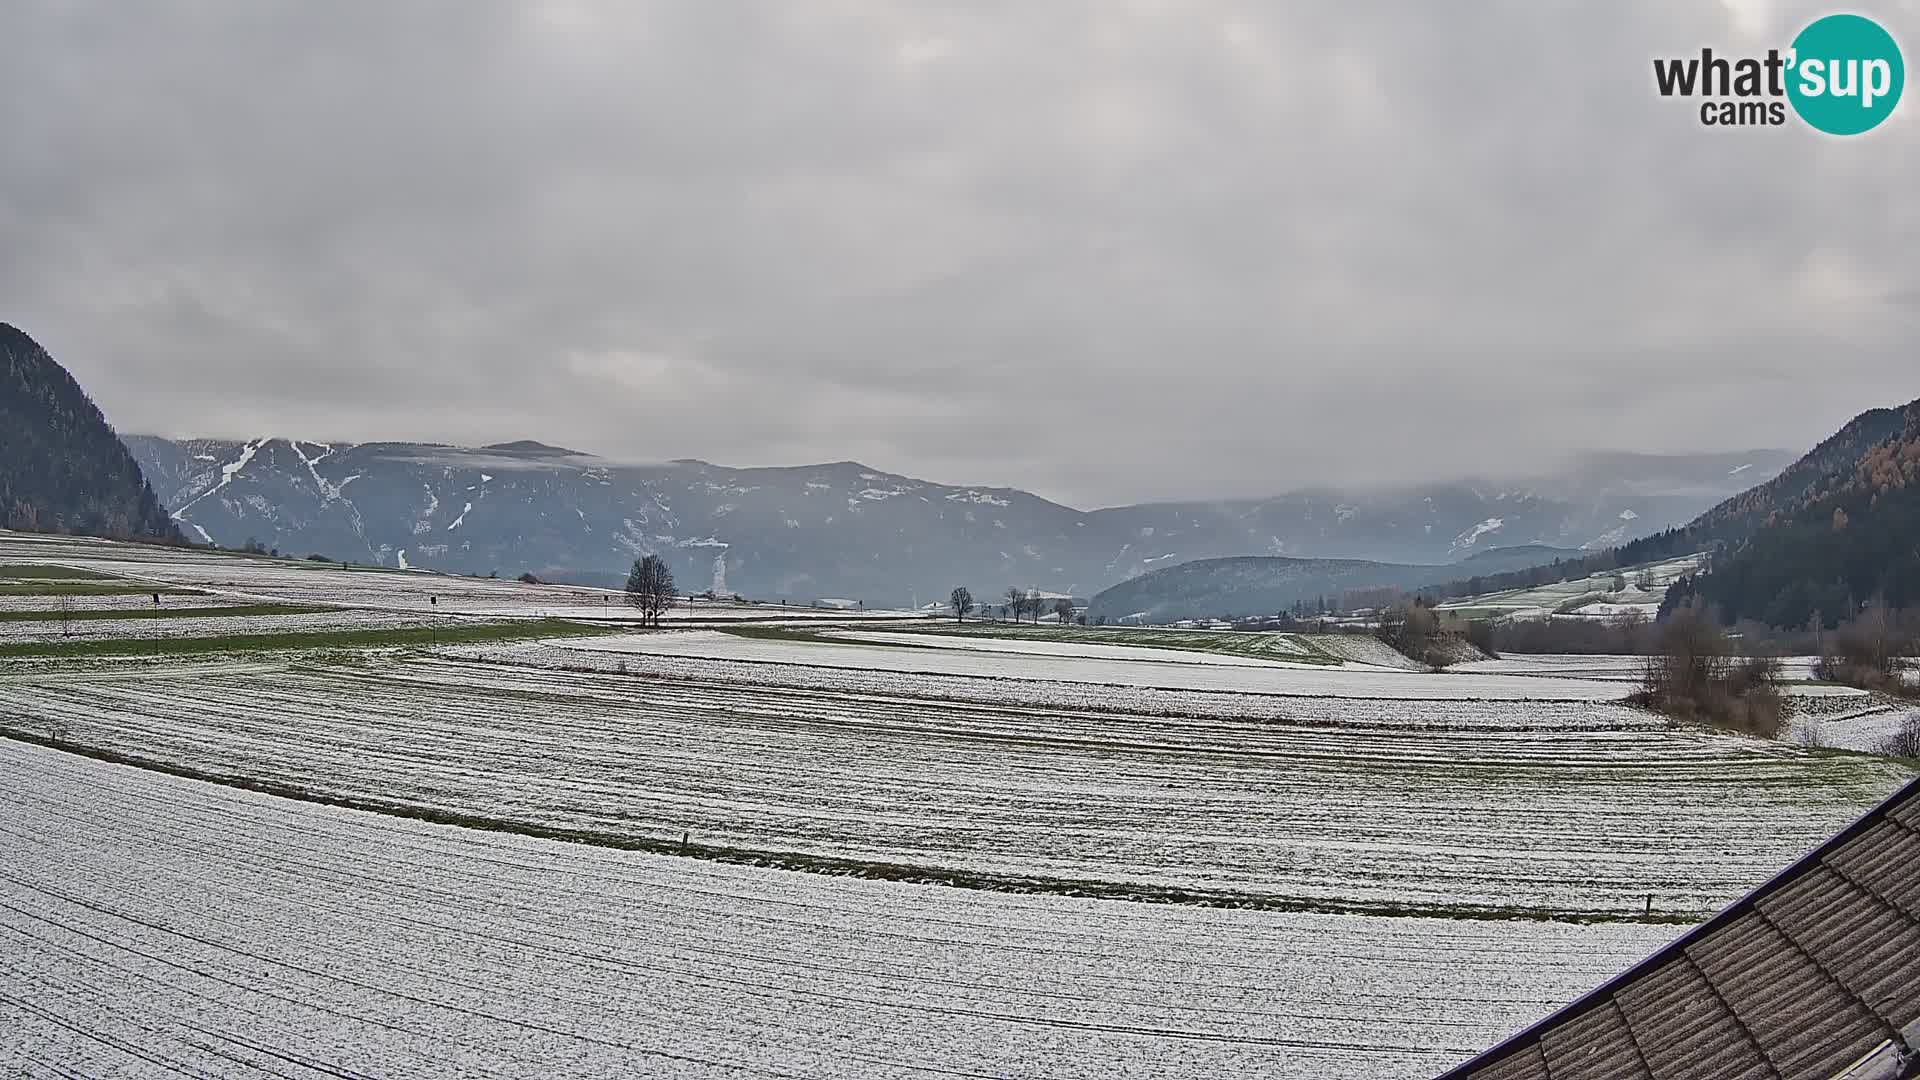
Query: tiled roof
{"points": [[1815, 974]]}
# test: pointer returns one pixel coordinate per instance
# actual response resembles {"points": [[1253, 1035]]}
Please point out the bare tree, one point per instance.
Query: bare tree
{"points": [[1905, 739], [650, 588], [1695, 676], [66, 616], [1414, 630], [1867, 651], [1063, 610], [1016, 602], [961, 600]]}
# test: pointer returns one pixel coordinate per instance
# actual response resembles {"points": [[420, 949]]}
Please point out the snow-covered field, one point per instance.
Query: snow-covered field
{"points": [[1617, 667], [1864, 726], [1034, 646], [115, 602], [152, 925], [1335, 812], [1458, 713], [155, 926], [239, 579], [1266, 678], [1630, 669]]}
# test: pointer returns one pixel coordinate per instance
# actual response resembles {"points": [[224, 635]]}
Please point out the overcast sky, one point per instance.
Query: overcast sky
{"points": [[1103, 251]]}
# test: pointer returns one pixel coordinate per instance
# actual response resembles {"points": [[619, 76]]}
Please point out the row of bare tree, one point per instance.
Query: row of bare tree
{"points": [[1019, 603]]}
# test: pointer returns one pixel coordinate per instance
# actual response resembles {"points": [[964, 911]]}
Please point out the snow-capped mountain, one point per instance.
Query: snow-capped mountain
{"points": [[844, 529]]}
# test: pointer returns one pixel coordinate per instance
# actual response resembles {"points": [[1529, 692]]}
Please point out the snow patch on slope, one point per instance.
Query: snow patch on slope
{"points": [[1471, 536], [982, 498], [227, 473]]}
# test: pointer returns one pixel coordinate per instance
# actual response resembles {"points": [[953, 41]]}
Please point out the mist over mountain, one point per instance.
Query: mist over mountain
{"points": [[1837, 530], [847, 530], [1828, 534]]}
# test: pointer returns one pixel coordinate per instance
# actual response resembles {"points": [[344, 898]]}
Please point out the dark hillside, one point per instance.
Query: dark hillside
{"points": [[62, 468], [1848, 536], [1775, 526]]}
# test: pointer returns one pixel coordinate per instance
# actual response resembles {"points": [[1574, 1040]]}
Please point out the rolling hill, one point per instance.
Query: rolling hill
{"points": [[1232, 588]]}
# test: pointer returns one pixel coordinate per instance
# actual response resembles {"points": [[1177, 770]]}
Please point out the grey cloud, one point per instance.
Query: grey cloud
{"points": [[1102, 251]]}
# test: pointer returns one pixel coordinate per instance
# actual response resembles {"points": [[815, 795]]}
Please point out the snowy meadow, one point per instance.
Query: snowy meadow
{"points": [[812, 845]]}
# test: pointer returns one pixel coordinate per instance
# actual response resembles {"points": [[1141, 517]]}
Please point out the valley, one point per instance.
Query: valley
{"points": [[758, 813]]}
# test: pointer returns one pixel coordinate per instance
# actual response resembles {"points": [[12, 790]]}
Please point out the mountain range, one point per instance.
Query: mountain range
{"points": [[846, 530]]}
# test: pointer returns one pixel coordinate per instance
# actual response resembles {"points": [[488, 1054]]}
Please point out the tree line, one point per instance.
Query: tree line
{"points": [[1019, 604]]}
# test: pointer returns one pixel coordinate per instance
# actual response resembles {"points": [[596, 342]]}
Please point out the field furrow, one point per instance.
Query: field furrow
{"points": [[154, 925], [1337, 808]]}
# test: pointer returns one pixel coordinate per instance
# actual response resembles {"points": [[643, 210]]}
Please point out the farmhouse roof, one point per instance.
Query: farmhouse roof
{"points": [[1814, 974]]}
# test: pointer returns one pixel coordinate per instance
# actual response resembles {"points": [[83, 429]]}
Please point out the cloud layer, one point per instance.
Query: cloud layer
{"points": [[1104, 251]]}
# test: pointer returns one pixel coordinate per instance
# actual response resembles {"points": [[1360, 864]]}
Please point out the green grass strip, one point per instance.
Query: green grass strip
{"points": [[39, 570], [91, 588], [450, 634], [107, 614]]}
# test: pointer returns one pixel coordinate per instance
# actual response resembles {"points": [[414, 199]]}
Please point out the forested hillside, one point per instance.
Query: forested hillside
{"points": [[1850, 536], [62, 468], [1831, 531]]}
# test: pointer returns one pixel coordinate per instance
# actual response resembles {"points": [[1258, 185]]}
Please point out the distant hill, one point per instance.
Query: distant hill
{"points": [[1231, 588], [1837, 530], [62, 468]]}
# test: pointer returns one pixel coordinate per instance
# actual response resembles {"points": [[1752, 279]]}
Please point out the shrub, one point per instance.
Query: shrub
{"points": [[1905, 740], [1867, 652], [1412, 631], [1694, 677]]}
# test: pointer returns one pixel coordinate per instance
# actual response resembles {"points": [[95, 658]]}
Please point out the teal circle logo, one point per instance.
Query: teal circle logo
{"points": [[1846, 74]]}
